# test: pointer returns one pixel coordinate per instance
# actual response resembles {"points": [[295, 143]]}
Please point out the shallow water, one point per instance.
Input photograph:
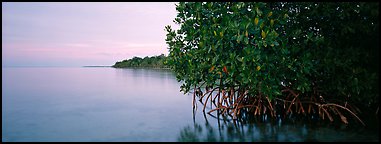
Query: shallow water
{"points": [[107, 104]]}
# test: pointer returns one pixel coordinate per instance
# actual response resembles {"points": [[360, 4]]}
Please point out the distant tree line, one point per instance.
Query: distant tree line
{"points": [[154, 62]]}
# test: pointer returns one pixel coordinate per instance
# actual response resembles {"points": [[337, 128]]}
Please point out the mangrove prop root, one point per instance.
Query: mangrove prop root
{"points": [[231, 101]]}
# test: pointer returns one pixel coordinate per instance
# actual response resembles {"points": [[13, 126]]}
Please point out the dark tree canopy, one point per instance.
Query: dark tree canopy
{"points": [[341, 43], [254, 50]]}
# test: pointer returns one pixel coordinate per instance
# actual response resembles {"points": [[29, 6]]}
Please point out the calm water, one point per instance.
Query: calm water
{"points": [[107, 104]]}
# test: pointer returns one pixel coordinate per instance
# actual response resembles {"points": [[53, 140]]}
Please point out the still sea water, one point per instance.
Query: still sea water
{"points": [[108, 104]]}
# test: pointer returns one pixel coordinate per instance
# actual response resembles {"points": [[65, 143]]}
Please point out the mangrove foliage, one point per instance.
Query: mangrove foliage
{"points": [[278, 58]]}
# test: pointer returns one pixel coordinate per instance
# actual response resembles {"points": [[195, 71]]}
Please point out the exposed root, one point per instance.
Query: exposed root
{"points": [[233, 102]]}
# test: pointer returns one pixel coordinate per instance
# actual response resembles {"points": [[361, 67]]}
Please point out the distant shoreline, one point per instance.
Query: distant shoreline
{"points": [[96, 66], [149, 67], [144, 67]]}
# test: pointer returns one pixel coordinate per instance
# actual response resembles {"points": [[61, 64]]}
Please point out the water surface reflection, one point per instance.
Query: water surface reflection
{"points": [[107, 104], [261, 129]]}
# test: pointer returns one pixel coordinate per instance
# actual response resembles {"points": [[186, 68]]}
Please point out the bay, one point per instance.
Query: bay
{"points": [[108, 104]]}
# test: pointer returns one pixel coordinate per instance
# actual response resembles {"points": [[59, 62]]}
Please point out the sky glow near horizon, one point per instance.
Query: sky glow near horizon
{"points": [[81, 33]]}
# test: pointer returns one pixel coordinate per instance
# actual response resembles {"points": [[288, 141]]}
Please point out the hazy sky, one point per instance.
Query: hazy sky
{"points": [[77, 34]]}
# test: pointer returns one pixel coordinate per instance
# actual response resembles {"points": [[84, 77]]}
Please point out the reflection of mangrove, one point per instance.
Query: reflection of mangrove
{"points": [[236, 130], [264, 128]]}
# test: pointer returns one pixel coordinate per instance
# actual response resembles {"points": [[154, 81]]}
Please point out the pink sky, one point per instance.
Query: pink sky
{"points": [[77, 34]]}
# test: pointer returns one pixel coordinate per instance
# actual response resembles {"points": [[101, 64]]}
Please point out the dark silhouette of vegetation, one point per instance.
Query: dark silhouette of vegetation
{"points": [[278, 58], [151, 62]]}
